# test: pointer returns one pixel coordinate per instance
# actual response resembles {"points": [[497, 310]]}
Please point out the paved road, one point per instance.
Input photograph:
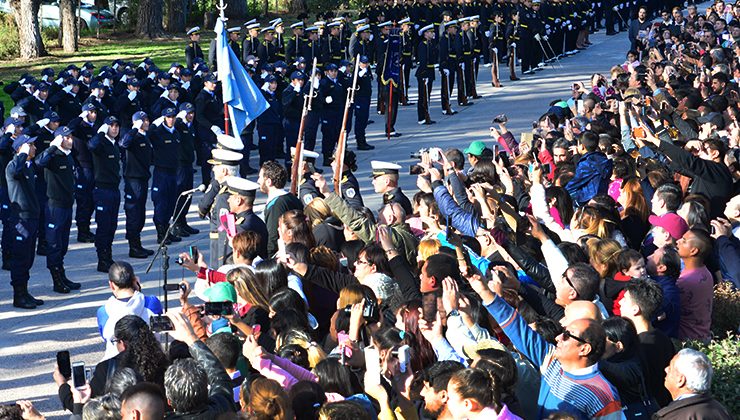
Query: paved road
{"points": [[30, 339]]}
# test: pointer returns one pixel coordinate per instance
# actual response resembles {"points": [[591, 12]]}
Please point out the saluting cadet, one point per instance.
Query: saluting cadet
{"points": [[269, 123], [407, 58], [363, 95], [23, 217], [266, 50], [292, 101], [241, 201], [307, 190], [167, 99], [362, 44], [332, 96], [13, 127], [37, 104], [193, 50], [427, 55], [214, 202], [165, 141], [56, 161], [295, 44], [98, 98], [106, 195], [208, 113], [349, 186], [137, 154], [251, 41], [279, 40], [186, 128], [129, 103], [385, 181], [66, 102]]}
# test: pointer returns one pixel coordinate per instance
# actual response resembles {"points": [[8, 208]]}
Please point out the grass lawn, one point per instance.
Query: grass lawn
{"points": [[101, 52]]}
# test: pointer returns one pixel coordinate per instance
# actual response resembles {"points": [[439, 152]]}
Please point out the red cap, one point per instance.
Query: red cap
{"points": [[671, 222]]}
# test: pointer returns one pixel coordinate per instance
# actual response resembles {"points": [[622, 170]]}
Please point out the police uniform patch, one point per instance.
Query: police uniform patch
{"points": [[350, 193], [307, 198]]}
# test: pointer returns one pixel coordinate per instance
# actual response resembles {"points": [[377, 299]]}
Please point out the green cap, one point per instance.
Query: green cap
{"points": [[221, 292], [475, 148]]}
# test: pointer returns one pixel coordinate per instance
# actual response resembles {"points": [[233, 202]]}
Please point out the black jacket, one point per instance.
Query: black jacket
{"points": [[60, 177], [696, 407]]}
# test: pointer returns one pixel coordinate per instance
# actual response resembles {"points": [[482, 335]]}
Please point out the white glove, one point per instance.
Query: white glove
{"points": [[186, 85], [343, 69], [23, 81], [446, 72], [45, 77], [25, 148], [462, 66], [151, 76], [567, 22], [216, 130], [137, 124], [103, 129], [172, 70], [297, 88], [165, 94], [315, 82], [59, 81], [115, 66], [67, 88], [329, 99], [79, 79], [265, 86], [513, 45], [42, 122], [557, 20], [142, 65], [106, 82], [181, 115], [570, 27], [436, 66], [123, 79], [537, 37], [83, 114], [371, 37], [56, 142], [362, 72], [132, 95], [198, 73], [10, 129], [546, 38], [158, 121]]}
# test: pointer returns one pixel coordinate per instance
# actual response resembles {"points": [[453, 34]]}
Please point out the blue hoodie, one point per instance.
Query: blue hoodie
{"points": [[592, 177]]}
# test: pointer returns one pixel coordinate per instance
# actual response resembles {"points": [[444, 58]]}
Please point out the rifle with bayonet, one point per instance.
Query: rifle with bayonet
{"points": [[342, 143], [298, 158]]}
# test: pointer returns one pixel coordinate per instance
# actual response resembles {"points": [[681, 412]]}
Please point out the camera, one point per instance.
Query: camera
{"points": [[370, 311], [173, 287], [159, 323], [433, 154], [219, 308], [416, 170], [500, 119]]}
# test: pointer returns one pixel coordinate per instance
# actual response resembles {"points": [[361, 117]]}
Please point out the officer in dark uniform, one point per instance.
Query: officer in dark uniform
{"points": [[266, 50], [279, 41], [106, 195], [12, 128], [209, 112], [129, 103], [241, 200], [332, 96], [83, 131], [165, 141], [363, 95], [292, 100], [214, 202], [251, 41], [24, 212], [407, 58], [385, 181], [380, 45], [295, 44], [479, 41], [427, 55], [312, 48], [349, 185], [497, 46], [58, 166], [66, 103], [193, 50], [307, 190], [466, 60], [448, 64], [513, 43], [137, 152], [333, 45], [186, 128]]}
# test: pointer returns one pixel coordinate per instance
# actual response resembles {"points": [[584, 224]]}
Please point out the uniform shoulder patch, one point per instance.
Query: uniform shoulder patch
{"points": [[350, 192], [307, 198]]}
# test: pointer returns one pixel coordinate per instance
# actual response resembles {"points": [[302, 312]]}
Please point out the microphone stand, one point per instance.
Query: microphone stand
{"points": [[163, 247]]}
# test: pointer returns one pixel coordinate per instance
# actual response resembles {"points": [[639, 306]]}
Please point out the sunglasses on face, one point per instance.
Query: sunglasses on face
{"points": [[567, 335]]}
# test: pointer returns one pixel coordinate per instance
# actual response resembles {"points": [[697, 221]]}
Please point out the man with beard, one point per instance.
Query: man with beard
{"points": [[434, 392]]}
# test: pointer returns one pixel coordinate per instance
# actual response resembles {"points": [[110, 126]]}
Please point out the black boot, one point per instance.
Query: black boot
{"points": [[58, 280], [105, 260], [6, 259], [135, 249], [84, 235], [72, 285], [41, 247], [161, 230], [364, 146], [177, 230], [21, 298], [189, 229]]}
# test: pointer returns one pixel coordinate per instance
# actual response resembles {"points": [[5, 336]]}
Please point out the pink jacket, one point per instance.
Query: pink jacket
{"points": [[285, 372]]}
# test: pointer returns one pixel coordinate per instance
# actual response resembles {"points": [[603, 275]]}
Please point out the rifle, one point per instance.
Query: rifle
{"points": [[298, 158], [342, 143]]}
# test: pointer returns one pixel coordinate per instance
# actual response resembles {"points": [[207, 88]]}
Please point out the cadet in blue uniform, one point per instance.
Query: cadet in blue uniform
{"points": [[292, 101], [193, 50], [214, 202], [137, 154], [58, 166], [66, 102], [106, 195], [332, 96], [363, 96], [128, 103], [270, 123], [185, 125], [427, 55], [165, 142], [12, 129], [24, 213], [241, 200], [385, 181]]}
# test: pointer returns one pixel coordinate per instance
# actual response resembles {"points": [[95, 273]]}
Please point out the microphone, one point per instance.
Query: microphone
{"points": [[200, 188]]}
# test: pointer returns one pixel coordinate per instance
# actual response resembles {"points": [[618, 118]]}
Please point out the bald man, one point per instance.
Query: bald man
{"points": [[142, 401], [580, 309]]}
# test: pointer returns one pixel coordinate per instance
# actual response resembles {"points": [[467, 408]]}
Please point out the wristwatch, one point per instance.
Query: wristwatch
{"points": [[453, 312]]}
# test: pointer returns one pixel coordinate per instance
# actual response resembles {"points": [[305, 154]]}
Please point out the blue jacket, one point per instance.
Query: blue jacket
{"points": [[671, 306], [465, 221], [592, 177]]}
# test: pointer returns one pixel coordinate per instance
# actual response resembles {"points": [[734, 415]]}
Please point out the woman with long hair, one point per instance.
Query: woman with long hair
{"points": [[268, 401], [407, 321], [293, 227], [253, 302], [141, 350], [635, 212], [474, 394], [326, 228]]}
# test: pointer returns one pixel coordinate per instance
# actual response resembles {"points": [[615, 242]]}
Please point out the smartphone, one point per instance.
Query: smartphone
{"points": [[714, 230], [65, 367], [219, 308], [579, 105], [172, 287], [372, 365], [546, 169], [78, 374], [159, 323], [404, 354], [194, 254], [429, 306]]}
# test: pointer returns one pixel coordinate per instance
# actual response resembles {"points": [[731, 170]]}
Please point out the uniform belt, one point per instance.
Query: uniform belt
{"points": [[453, 56], [523, 26], [431, 66], [467, 52], [407, 54]]}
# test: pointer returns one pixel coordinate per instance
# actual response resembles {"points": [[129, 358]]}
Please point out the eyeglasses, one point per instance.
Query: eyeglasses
{"points": [[115, 340], [362, 262], [570, 283], [568, 335]]}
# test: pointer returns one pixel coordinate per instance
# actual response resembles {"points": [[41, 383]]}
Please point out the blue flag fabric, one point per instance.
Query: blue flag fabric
{"points": [[392, 65], [243, 97]]}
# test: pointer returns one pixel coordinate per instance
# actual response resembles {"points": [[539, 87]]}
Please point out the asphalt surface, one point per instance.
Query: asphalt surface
{"points": [[30, 338]]}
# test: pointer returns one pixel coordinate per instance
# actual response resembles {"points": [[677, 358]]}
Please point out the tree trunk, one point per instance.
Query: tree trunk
{"points": [[176, 16], [68, 25], [149, 22], [26, 14], [297, 6], [236, 9], [265, 7]]}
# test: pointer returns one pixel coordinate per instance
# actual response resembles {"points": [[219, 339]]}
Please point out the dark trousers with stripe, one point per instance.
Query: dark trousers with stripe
{"points": [[362, 115], [270, 140], [164, 194], [84, 183], [58, 224], [24, 233], [184, 183], [107, 202], [425, 92], [135, 192], [290, 128]]}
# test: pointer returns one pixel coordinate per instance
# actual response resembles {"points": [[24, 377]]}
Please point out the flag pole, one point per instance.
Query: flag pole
{"points": [[221, 15]]}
